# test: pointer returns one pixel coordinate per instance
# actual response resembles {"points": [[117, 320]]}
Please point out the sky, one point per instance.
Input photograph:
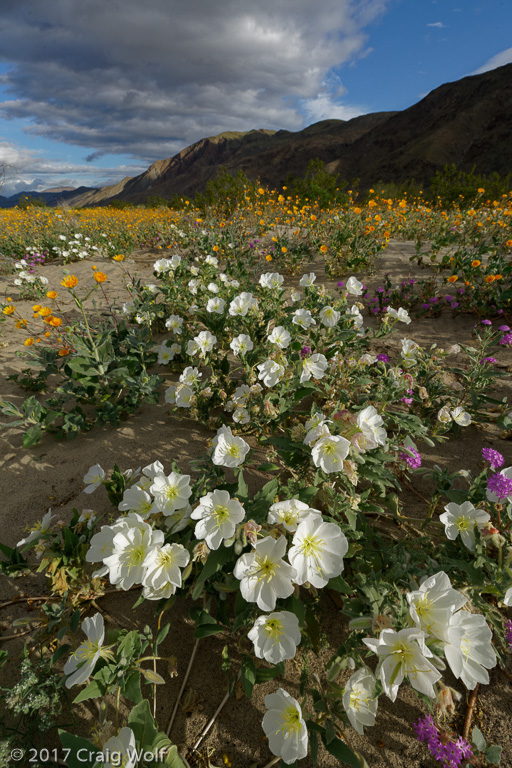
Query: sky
{"points": [[92, 91]]}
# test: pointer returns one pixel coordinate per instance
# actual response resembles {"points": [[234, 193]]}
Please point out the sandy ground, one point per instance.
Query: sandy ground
{"points": [[51, 475]]}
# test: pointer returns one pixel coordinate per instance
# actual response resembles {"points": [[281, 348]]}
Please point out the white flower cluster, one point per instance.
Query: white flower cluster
{"points": [[76, 247]]}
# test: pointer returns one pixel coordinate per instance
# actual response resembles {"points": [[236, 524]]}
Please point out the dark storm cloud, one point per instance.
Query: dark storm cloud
{"points": [[148, 78]]}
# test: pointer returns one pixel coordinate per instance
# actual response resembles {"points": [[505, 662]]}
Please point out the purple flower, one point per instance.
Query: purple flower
{"points": [[305, 351], [494, 457], [500, 485], [340, 284], [433, 299], [448, 298], [508, 633], [425, 306], [488, 360], [451, 754], [406, 400], [506, 341], [383, 357], [504, 328], [414, 462], [464, 747], [425, 728], [454, 304], [486, 322], [380, 289]]}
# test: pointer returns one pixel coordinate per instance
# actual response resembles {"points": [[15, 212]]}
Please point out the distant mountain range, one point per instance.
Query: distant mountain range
{"points": [[467, 123], [51, 196]]}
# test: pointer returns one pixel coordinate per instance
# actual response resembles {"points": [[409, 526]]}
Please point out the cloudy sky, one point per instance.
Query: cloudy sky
{"points": [[95, 90]]}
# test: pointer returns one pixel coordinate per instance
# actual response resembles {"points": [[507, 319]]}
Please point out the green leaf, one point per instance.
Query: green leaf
{"points": [[78, 745], [267, 466], [493, 754], [94, 690], [340, 750], [216, 559], [340, 585], [478, 739], [32, 435], [248, 675], [264, 674], [204, 630], [142, 724], [130, 687]]}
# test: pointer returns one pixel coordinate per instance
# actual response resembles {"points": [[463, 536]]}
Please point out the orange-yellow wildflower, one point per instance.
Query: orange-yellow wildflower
{"points": [[100, 277], [51, 295], [28, 342], [70, 281], [452, 279]]}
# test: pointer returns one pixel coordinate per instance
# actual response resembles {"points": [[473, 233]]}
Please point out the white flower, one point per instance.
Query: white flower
{"points": [[329, 452], [270, 372], [409, 350], [359, 705], [163, 575], [94, 478], [229, 451], [317, 551], [216, 305], [218, 516], [241, 394], [178, 520], [285, 727], [135, 499], [120, 750], [280, 337], [506, 472], [171, 492], [370, 424], [403, 654], [507, 600], [354, 287], [289, 513], [242, 344], [263, 574], [275, 637], [307, 281], [170, 394], [162, 265], [462, 518], [315, 433], [174, 323], [242, 304], [102, 543], [444, 415], [355, 315], [313, 366], [241, 416], [212, 261], [271, 280], [130, 546], [469, 650], [295, 295], [87, 654], [400, 314], [213, 287], [202, 343], [303, 318], [433, 604], [184, 396], [175, 260], [166, 354], [460, 416], [329, 317], [39, 530], [190, 376]]}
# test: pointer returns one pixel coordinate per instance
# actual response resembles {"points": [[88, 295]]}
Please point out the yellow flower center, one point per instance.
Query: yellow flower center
{"points": [[274, 628]]}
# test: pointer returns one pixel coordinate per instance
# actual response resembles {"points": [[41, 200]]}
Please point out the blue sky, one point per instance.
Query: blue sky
{"points": [[92, 91]]}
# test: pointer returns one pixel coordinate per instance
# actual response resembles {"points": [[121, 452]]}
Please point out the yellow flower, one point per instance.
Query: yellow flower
{"points": [[284, 249], [475, 263], [70, 281], [268, 257], [8, 310], [45, 312], [51, 295], [56, 321], [215, 248], [28, 342], [120, 256], [323, 248], [63, 352], [100, 277], [452, 279]]}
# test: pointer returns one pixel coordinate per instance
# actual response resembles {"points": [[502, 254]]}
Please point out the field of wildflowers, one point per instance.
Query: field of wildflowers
{"points": [[291, 451]]}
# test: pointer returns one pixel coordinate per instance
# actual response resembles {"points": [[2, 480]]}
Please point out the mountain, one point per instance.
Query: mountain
{"points": [[54, 196]]}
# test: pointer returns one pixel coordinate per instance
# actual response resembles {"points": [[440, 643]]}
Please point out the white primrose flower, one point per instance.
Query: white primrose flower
{"points": [[404, 654], [290, 513], [242, 304], [203, 343], [175, 260], [218, 516], [329, 317], [178, 520], [170, 394], [216, 305], [120, 750], [81, 663], [303, 318], [270, 372], [329, 452], [38, 530], [307, 281], [94, 478], [241, 416], [271, 280], [135, 499], [400, 314], [469, 650], [295, 295], [162, 265], [242, 344], [444, 415], [171, 492], [507, 600], [166, 354], [462, 519], [317, 551], [184, 396], [241, 395], [102, 543], [359, 705], [263, 574], [130, 546], [174, 323], [162, 570], [354, 287], [152, 470], [314, 434], [370, 424], [190, 376], [213, 287], [313, 366], [229, 451], [408, 353], [193, 286], [284, 727], [506, 472], [212, 261], [355, 315], [433, 604], [460, 416], [280, 337], [276, 636]]}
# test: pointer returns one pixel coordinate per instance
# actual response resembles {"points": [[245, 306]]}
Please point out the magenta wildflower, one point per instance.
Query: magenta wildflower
{"points": [[383, 357], [305, 351], [508, 633], [500, 485], [506, 341], [494, 457], [488, 360], [451, 754], [414, 461], [504, 328], [486, 322]]}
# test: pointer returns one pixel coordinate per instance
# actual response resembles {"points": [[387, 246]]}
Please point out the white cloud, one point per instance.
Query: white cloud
{"points": [[322, 108], [499, 60], [437, 24], [147, 79]]}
